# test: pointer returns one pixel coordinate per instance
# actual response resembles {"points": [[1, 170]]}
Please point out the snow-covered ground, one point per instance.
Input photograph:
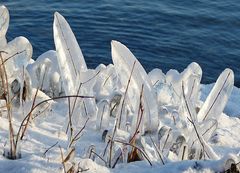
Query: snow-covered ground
{"points": [[42, 135], [115, 118]]}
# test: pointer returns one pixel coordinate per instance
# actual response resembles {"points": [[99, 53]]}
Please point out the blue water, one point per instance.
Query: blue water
{"points": [[164, 34]]}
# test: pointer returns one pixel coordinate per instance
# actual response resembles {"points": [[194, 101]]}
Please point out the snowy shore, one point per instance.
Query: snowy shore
{"points": [[45, 134]]}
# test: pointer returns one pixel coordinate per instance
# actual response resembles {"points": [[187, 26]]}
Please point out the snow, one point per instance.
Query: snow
{"points": [[167, 141]]}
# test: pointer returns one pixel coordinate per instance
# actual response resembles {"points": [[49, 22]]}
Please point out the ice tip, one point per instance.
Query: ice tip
{"points": [[117, 43], [4, 11], [114, 42], [3, 7], [56, 14], [228, 70]]}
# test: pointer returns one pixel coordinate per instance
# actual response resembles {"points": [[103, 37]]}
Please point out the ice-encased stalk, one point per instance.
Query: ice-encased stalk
{"points": [[124, 61], [4, 23], [103, 115], [218, 97]]}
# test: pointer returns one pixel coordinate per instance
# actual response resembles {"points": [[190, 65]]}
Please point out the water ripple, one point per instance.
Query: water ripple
{"points": [[164, 34]]}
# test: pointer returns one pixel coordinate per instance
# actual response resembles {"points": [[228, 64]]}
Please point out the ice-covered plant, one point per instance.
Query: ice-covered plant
{"points": [[45, 74], [14, 59], [195, 124], [73, 70], [132, 76], [4, 23]]}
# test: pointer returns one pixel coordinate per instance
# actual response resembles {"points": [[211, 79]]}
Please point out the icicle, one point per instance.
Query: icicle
{"points": [[128, 68], [191, 78], [70, 58], [103, 115], [218, 97], [4, 23], [55, 84]]}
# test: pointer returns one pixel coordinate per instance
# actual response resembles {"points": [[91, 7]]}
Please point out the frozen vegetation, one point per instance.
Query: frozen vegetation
{"points": [[57, 115]]}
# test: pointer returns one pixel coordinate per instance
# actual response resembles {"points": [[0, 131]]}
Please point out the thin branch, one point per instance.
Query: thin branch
{"points": [[140, 115], [191, 121], [111, 142], [158, 152], [68, 49], [62, 159], [76, 137], [213, 103], [125, 94], [50, 148], [166, 139], [99, 157], [13, 146]]}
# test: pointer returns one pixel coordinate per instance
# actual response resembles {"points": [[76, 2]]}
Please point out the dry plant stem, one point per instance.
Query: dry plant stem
{"points": [[25, 126], [70, 118], [42, 102], [107, 79], [105, 149], [42, 111], [9, 111], [216, 97], [76, 137], [44, 74], [62, 159], [102, 116], [156, 82], [158, 152], [204, 133], [22, 91], [58, 98], [174, 120], [183, 154], [125, 94], [99, 157], [191, 121], [111, 143], [229, 170], [75, 99], [115, 163], [192, 88], [85, 108], [69, 155], [140, 116], [49, 149], [165, 142], [68, 48], [11, 56], [139, 149]]}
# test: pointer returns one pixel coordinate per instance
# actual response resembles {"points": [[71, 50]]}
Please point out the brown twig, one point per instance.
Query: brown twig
{"points": [[49, 149], [76, 137], [192, 121], [62, 159], [158, 152], [111, 142], [217, 96], [13, 146], [125, 94]]}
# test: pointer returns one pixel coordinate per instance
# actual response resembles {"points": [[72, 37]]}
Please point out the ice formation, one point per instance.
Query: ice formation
{"points": [[154, 117]]}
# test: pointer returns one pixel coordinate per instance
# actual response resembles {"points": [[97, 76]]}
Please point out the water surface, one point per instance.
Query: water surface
{"points": [[162, 34]]}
